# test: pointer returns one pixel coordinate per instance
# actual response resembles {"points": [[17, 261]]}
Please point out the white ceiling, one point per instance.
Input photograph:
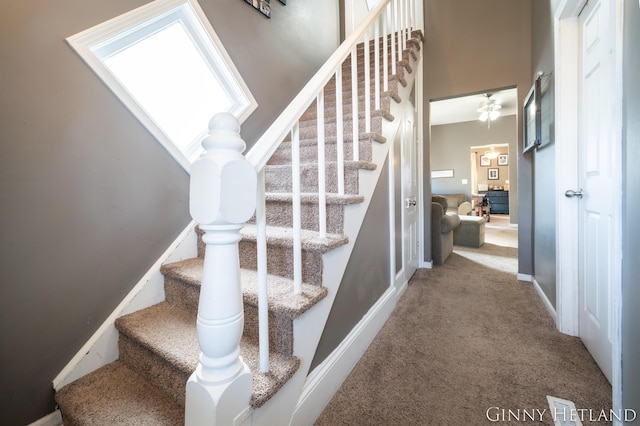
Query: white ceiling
{"points": [[464, 108]]}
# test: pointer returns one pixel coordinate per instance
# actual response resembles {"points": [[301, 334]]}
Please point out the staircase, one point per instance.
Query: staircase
{"points": [[158, 346]]}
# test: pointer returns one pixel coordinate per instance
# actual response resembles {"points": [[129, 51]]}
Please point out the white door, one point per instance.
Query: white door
{"points": [[409, 167], [597, 220]]}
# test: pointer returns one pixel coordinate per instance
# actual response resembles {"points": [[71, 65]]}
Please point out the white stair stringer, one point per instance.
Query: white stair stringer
{"points": [[309, 327]]}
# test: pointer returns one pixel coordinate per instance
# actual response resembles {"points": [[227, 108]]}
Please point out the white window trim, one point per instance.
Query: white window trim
{"points": [[87, 42]]}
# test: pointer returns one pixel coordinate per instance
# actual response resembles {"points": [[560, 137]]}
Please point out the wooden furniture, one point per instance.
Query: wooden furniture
{"points": [[499, 201]]}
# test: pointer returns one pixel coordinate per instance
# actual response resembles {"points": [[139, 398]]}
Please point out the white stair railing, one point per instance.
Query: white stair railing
{"points": [[391, 22], [224, 185]]}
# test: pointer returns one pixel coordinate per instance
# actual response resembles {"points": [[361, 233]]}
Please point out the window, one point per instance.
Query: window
{"points": [[166, 64]]}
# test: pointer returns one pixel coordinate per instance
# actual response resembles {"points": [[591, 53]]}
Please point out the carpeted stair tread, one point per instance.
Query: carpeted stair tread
{"points": [[347, 117], [117, 395], [170, 332], [311, 240], [280, 290], [313, 198], [348, 164]]}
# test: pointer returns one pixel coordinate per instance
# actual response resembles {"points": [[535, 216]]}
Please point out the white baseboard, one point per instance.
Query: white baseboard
{"points": [[525, 277], [326, 379], [545, 299], [52, 419], [426, 265], [102, 347]]}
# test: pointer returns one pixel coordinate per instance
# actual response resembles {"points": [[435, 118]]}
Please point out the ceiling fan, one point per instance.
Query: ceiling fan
{"points": [[489, 109]]}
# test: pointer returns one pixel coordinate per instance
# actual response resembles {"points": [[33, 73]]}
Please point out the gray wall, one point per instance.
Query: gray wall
{"points": [[451, 148], [630, 209], [472, 46], [543, 159], [89, 199], [367, 274]]}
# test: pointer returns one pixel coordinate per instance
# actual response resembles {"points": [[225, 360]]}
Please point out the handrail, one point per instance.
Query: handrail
{"points": [[268, 143]]}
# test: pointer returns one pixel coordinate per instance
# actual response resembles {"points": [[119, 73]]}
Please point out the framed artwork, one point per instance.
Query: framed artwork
{"points": [[263, 6], [283, 1], [485, 161], [503, 160], [492, 174], [532, 121]]}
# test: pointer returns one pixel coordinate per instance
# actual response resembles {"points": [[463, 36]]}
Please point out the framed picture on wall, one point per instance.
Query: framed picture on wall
{"points": [[492, 174], [485, 161], [532, 120], [503, 160], [263, 6]]}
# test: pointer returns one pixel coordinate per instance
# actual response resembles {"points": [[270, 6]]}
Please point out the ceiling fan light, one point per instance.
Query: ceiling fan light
{"points": [[484, 116], [493, 115]]}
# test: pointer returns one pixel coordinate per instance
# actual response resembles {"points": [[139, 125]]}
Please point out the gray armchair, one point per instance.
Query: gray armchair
{"points": [[442, 226]]}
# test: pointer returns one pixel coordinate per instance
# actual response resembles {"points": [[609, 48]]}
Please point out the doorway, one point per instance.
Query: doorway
{"points": [[457, 132]]}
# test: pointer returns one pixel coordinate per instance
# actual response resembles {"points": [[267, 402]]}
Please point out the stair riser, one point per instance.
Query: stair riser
{"points": [[279, 213], [280, 261], [309, 129], [278, 179], [162, 374], [280, 330], [186, 296], [330, 87], [309, 153], [330, 111]]}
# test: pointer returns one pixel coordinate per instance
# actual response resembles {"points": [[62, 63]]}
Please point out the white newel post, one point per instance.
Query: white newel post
{"points": [[222, 199]]}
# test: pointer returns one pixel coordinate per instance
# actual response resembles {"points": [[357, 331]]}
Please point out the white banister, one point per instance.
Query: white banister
{"points": [[222, 198], [268, 142], [226, 188]]}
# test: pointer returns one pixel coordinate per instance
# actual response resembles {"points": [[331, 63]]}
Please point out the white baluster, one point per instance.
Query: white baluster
{"points": [[222, 199], [339, 131], [296, 210], [367, 85], [385, 47], [399, 29], [354, 102], [376, 56], [394, 29], [322, 190], [263, 295]]}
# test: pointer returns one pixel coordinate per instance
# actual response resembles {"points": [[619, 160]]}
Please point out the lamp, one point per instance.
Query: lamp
{"points": [[492, 153], [489, 110]]}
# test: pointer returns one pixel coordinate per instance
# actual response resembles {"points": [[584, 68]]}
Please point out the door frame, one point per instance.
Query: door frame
{"points": [[566, 48]]}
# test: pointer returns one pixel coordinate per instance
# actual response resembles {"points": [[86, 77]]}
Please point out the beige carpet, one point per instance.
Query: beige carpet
{"points": [[466, 337]]}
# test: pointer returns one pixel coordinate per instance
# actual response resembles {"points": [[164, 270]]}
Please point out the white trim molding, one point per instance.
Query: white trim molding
{"points": [[51, 419], [544, 298], [524, 277], [102, 347], [95, 45], [325, 380]]}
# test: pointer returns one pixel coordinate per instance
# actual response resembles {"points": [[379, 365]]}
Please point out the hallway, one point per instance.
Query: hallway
{"points": [[466, 343]]}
